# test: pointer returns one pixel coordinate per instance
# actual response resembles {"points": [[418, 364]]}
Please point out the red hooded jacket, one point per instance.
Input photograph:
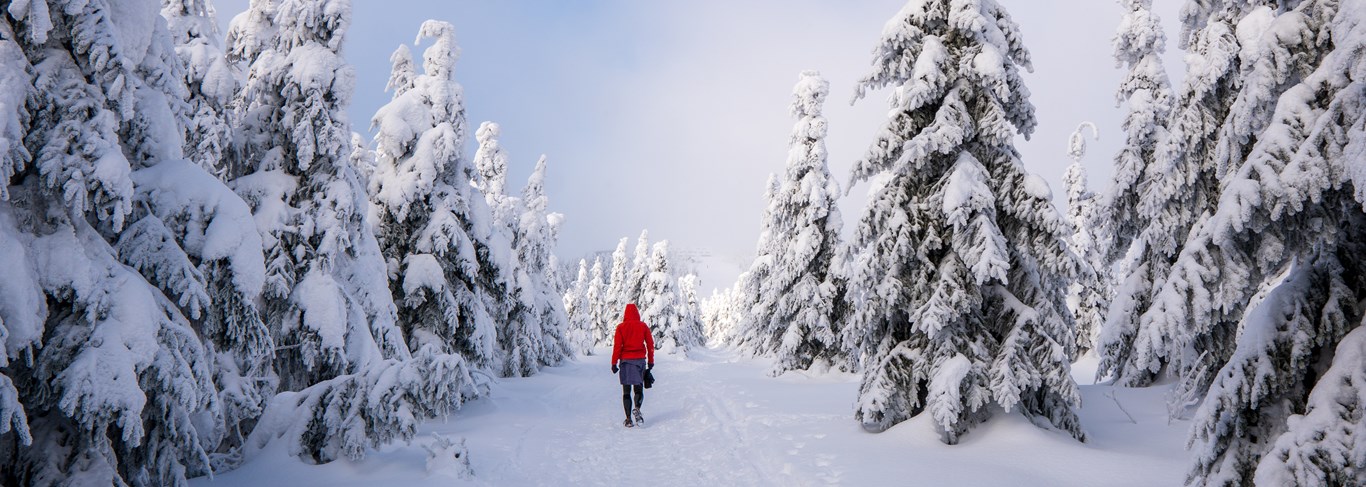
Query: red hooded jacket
{"points": [[633, 339]]}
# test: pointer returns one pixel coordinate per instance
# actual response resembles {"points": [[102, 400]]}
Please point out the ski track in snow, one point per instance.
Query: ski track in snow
{"points": [[716, 419]]}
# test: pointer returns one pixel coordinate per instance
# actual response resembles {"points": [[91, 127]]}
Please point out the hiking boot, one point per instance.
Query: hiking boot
{"points": [[640, 420], [628, 423]]}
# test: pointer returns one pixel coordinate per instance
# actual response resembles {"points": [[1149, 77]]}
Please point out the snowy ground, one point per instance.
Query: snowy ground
{"points": [[717, 419]]}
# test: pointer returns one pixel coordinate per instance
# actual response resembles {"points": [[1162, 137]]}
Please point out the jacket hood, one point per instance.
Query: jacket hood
{"points": [[632, 314]]}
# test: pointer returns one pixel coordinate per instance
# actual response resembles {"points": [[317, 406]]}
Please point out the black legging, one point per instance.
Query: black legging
{"points": [[626, 397]]}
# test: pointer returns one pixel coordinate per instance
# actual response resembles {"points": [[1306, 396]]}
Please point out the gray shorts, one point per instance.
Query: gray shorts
{"points": [[632, 372]]}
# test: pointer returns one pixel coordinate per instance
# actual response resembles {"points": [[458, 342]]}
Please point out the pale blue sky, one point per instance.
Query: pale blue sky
{"points": [[669, 116]]}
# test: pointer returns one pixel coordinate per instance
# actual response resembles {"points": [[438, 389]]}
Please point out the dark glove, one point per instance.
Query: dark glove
{"points": [[614, 368], [650, 367]]}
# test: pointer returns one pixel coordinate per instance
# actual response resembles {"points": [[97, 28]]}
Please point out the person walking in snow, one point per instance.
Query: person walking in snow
{"points": [[633, 354]]}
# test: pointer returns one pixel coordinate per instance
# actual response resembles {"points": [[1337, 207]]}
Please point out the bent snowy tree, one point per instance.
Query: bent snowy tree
{"points": [[959, 266]]}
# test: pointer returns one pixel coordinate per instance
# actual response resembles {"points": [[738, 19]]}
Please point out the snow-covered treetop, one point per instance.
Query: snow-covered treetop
{"points": [[325, 22], [420, 135], [439, 60], [642, 253], [1139, 42], [1080, 199], [1076, 143], [211, 80], [193, 21], [917, 57], [402, 74], [362, 158], [538, 228], [1197, 14], [924, 21], [533, 195], [491, 160], [295, 71], [250, 31], [1139, 33], [659, 258], [809, 96]]}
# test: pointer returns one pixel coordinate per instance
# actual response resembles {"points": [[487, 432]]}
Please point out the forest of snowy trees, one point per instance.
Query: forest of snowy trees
{"points": [[201, 257], [595, 300], [1225, 255]]}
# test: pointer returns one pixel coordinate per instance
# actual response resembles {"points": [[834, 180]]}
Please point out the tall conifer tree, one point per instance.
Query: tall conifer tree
{"points": [[959, 265], [432, 224], [792, 311]]}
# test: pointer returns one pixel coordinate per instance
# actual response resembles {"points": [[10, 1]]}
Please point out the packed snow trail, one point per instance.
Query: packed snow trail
{"points": [[716, 419]]}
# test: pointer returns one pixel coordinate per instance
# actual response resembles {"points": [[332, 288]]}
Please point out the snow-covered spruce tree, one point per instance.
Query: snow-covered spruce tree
{"points": [[959, 267], [1213, 125], [750, 304], [1278, 49], [555, 274], [577, 310], [1120, 225], [491, 161], [538, 310], [631, 291], [520, 354], [662, 307], [364, 159], [1087, 296], [432, 225], [110, 398], [232, 322], [322, 299], [1277, 270], [614, 298], [351, 381], [690, 306], [1147, 96], [183, 206], [719, 314], [385, 401], [403, 71], [1244, 57], [792, 316], [211, 80], [117, 250], [597, 315], [1289, 334]]}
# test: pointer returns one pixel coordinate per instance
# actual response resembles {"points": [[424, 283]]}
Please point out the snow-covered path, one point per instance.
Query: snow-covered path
{"points": [[716, 419], [702, 427]]}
